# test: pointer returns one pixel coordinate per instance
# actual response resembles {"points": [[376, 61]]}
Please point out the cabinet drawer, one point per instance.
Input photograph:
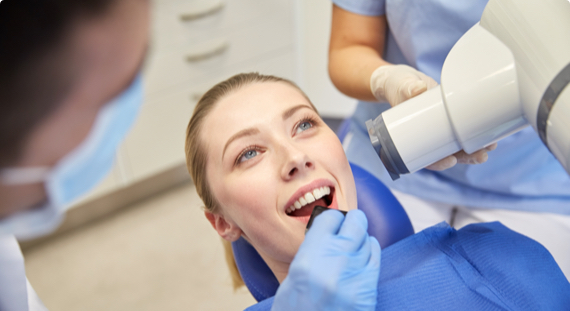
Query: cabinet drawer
{"points": [[168, 70], [281, 64], [177, 23]]}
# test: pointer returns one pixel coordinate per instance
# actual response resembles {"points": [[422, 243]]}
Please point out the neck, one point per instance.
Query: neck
{"points": [[280, 272], [280, 269]]}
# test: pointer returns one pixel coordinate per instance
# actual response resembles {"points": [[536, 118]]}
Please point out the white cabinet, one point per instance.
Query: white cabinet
{"points": [[313, 23], [156, 142], [180, 67], [195, 44]]}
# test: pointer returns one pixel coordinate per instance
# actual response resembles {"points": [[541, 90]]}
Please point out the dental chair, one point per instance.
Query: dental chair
{"points": [[387, 222]]}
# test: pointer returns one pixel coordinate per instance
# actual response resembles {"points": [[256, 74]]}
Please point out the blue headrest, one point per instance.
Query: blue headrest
{"points": [[343, 129], [387, 221]]}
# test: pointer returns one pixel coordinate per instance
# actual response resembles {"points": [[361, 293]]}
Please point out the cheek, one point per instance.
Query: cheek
{"points": [[53, 140], [248, 196], [338, 165], [250, 199]]}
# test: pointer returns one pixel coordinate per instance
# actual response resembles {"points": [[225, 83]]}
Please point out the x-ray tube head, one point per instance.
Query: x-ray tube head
{"points": [[508, 71]]}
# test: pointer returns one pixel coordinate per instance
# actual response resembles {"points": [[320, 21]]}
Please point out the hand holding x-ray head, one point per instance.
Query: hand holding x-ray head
{"points": [[510, 70]]}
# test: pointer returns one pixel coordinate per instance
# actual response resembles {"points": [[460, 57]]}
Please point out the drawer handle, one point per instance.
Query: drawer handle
{"points": [[190, 16], [203, 55]]}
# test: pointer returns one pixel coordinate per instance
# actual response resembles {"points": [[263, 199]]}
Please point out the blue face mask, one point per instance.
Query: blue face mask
{"points": [[78, 171]]}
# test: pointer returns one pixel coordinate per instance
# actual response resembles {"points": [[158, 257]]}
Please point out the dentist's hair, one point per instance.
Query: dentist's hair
{"points": [[196, 156], [36, 70]]}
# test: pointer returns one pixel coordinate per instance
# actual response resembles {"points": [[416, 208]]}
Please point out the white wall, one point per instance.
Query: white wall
{"points": [[313, 32]]}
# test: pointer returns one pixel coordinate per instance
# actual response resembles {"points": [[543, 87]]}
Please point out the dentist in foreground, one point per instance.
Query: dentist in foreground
{"points": [[70, 89]]}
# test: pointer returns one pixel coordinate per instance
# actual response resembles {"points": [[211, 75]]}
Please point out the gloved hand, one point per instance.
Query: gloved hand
{"points": [[337, 267], [397, 83]]}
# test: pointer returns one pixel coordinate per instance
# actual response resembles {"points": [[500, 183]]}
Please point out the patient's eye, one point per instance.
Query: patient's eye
{"points": [[247, 154], [304, 124], [250, 154]]}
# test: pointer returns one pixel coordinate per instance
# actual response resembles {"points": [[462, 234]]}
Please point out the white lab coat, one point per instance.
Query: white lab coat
{"points": [[16, 293]]}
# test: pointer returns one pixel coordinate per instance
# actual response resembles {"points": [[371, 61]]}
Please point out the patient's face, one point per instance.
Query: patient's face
{"points": [[271, 159]]}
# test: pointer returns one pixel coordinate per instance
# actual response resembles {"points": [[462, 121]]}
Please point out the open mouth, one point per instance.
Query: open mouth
{"points": [[303, 207]]}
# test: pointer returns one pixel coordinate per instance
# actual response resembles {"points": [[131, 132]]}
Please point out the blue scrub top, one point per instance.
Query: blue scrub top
{"points": [[482, 266], [521, 174]]}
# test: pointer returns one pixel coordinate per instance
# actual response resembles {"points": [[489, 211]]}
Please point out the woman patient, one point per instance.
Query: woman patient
{"points": [[261, 158]]}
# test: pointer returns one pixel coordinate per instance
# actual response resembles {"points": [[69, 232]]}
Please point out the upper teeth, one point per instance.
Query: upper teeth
{"points": [[308, 198]]}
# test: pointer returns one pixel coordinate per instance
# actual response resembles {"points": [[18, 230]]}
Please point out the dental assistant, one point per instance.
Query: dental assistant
{"points": [[70, 89], [384, 52]]}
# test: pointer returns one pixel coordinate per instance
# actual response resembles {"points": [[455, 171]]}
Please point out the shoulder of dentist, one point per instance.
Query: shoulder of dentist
{"points": [[68, 99]]}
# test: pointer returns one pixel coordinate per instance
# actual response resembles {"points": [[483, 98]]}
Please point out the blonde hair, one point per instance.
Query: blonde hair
{"points": [[196, 156]]}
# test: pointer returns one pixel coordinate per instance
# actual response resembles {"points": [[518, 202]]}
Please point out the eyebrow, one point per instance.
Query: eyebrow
{"points": [[252, 130], [246, 132], [289, 112]]}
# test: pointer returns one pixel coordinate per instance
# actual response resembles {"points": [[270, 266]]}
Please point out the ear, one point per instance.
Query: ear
{"points": [[228, 230]]}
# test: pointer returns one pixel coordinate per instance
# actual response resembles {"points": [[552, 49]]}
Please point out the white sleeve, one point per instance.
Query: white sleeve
{"points": [[13, 291], [34, 302]]}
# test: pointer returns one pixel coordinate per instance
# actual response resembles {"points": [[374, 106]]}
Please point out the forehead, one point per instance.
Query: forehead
{"points": [[251, 105], [261, 98]]}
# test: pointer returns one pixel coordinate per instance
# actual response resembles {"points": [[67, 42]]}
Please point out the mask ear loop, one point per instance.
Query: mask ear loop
{"points": [[24, 175]]}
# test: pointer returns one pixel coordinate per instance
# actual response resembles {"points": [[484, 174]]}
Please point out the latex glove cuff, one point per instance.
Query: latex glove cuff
{"points": [[397, 83]]}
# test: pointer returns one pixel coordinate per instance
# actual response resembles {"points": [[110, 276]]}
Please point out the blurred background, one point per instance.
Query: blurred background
{"points": [[140, 241]]}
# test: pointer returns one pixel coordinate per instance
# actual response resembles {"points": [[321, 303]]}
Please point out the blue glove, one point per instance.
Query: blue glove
{"points": [[337, 267]]}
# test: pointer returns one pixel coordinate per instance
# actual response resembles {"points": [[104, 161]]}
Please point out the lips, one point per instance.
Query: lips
{"points": [[302, 203], [309, 198]]}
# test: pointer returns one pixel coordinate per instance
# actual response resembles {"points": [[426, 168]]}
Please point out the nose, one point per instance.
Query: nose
{"points": [[296, 163]]}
